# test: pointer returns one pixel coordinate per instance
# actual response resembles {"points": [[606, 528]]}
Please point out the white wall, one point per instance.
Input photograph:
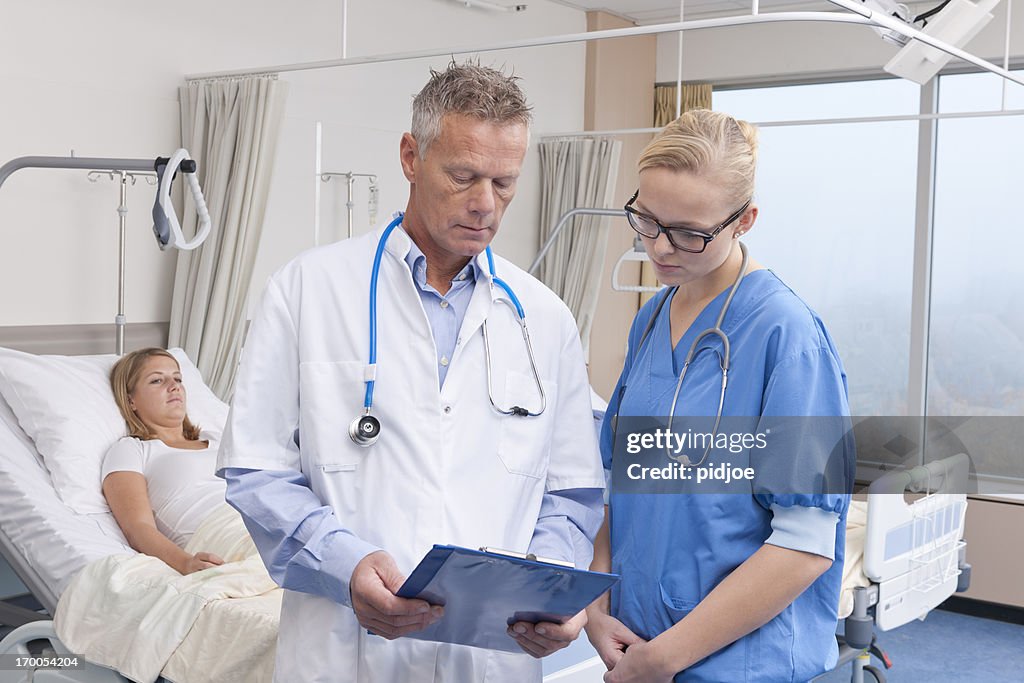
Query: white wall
{"points": [[365, 109], [101, 78], [780, 50]]}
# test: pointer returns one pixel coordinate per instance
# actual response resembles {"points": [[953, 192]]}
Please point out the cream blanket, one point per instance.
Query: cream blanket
{"points": [[853, 567], [135, 614]]}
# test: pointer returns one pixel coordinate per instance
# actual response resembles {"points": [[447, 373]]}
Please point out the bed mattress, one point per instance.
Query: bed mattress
{"points": [[51, 541]]}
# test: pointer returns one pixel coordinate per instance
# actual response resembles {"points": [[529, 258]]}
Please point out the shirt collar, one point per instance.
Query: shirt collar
{"points": [[417, 262]]}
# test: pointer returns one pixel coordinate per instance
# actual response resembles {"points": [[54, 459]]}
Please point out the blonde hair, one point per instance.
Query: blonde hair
{"points": [[707, 143], [124, 376]]}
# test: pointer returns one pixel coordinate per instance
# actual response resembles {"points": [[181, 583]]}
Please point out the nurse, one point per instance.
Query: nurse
{"points": [[341, 517], [720, 586]]}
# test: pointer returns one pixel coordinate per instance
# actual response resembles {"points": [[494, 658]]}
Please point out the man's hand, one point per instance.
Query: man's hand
{"points": [[372, 587], [610, 637], [543, 638]]}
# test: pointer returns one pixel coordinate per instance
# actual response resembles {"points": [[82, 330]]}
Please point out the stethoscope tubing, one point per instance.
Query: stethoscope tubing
{"points": [[365, 429]]}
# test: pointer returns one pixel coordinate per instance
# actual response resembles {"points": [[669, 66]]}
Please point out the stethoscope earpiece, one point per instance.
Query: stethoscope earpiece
{"points": [[364, 430]]}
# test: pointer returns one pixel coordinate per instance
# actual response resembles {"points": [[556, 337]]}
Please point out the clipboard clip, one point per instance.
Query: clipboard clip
{"points": [[527, 556]]}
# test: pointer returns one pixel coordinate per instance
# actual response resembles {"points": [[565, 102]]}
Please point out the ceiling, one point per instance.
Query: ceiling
{"points": [[656, 11]]}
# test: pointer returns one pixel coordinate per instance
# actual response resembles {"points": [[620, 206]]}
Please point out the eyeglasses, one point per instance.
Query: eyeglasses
{"points": [[693, 241]]}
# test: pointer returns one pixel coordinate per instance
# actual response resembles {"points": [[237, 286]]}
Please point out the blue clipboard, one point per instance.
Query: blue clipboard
{"points": [[483, 593]]}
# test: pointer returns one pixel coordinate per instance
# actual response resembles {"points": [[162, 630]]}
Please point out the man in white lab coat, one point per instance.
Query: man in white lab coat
{"points": [[340, 525]]}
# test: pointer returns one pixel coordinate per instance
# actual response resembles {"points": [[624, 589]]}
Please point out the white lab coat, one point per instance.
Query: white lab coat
{"points": [[447, 467]]}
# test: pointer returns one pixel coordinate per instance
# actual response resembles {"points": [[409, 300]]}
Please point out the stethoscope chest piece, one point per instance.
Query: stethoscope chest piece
{"points": [[364, 430]]}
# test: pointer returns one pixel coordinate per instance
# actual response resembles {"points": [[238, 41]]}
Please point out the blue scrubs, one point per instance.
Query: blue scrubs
{"points": [[673, 549]]}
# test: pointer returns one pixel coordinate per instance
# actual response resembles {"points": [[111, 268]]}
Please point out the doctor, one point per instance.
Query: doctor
{"points": [[339, 523]]}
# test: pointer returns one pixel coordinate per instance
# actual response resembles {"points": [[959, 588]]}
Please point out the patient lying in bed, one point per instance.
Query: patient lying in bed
{"points": [[159, 481]]}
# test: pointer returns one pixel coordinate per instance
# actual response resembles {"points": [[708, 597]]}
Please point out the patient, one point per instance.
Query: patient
{"points": [[159, 480]]}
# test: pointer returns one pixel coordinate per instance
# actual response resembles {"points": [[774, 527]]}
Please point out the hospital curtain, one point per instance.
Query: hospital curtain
{"points": [[577, 172], [695, 96], [230, 126]]}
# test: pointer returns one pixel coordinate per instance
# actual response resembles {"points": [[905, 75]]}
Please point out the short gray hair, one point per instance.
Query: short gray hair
{"points": [[468, 89]]}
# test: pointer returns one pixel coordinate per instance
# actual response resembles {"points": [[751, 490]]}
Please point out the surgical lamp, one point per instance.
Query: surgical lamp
{"points": [[954, 22]]}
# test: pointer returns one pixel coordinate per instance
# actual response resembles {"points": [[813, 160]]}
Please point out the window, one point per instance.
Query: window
{"points": [[837, 220], [976, 349]]}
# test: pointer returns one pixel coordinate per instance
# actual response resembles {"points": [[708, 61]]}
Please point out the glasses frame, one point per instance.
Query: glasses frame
{"points": [[670, 231]]}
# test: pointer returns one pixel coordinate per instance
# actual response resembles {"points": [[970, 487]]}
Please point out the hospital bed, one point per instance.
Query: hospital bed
{"points": [[904, 557], [47, 537], [46, 544]]}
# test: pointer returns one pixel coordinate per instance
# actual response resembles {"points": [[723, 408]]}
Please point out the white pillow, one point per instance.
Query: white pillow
{"points": [[64, 403]]}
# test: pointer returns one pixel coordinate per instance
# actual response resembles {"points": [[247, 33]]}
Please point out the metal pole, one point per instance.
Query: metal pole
{"points": [[560, 225], [344, 29], [84, 163], [1006, 49], [650, 29], [318, 164], [350, 204], [679, 67], [122, 216], [807, 122], [858, 15], [924, 244]]}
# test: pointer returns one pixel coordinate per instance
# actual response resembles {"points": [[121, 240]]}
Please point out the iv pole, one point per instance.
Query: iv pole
{"points": [[120, 321], [350, 178]]}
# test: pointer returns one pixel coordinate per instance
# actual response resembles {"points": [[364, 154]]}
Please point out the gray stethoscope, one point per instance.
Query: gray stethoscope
{"points": [[365, 429], [715, 331]]}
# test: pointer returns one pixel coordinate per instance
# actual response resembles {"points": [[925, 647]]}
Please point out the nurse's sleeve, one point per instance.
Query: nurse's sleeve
{"points": [[299, 538], [805, 473]]}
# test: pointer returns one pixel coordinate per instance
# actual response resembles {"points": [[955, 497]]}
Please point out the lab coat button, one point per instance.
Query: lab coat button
{"points": [[447, 409]]}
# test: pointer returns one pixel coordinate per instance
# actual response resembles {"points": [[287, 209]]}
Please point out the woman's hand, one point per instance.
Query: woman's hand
{"points": [[199, 562], [610, 637], [642, 663]]}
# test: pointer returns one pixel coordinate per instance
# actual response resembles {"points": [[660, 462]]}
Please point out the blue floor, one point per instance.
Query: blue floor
{"points": [[950, 648], [944, 648]]}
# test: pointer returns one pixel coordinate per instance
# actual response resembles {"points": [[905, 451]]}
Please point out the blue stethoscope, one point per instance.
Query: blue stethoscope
{"points": [[365, 429]]}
